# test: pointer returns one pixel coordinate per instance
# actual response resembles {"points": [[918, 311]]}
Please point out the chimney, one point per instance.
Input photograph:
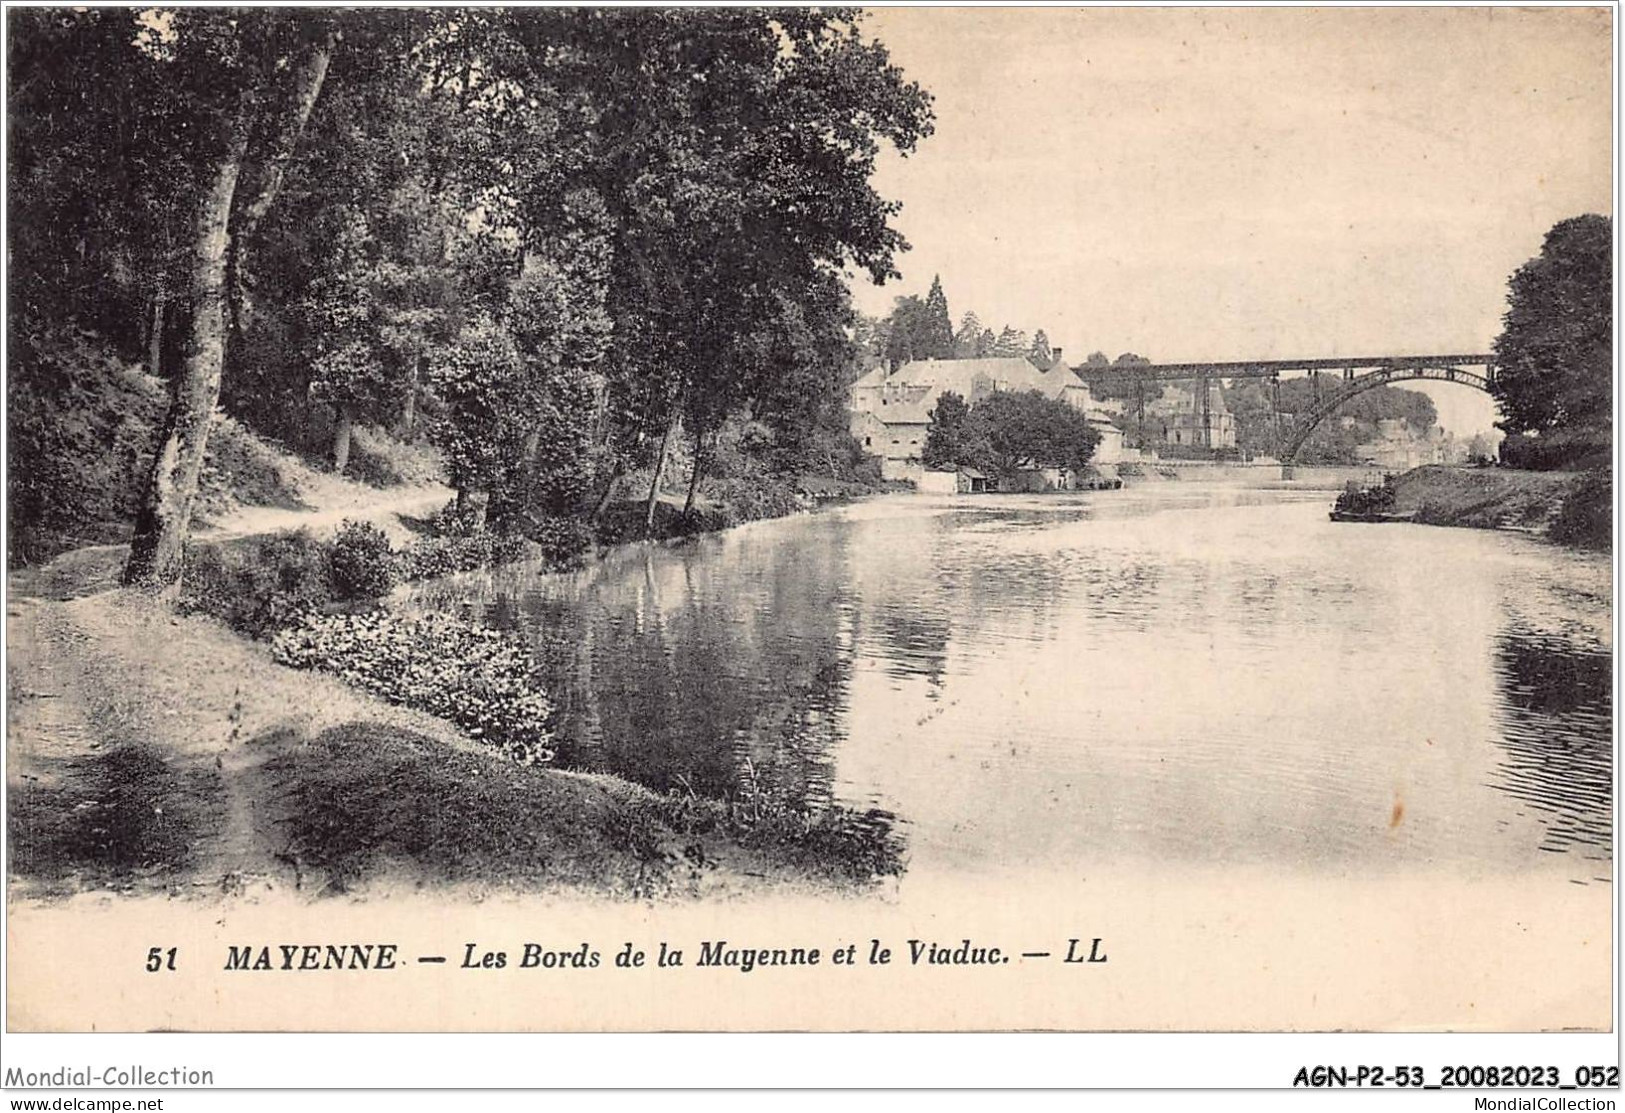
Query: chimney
{"points": [[1055, 356]]}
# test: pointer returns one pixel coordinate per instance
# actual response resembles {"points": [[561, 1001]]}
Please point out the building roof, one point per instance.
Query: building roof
{"points": [[959, 375], [971, 379], [1216, 405], [873, 377]]}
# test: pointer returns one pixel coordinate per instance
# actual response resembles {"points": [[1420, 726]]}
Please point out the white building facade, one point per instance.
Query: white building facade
{"points": [[891, 413]]}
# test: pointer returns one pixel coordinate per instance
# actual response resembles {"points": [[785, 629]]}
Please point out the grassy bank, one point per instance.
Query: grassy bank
{"points": [[155, 752], [1570, 507]]}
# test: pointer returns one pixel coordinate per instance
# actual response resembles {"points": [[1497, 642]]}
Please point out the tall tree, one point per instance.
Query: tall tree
{"points": [[371, 221], [1554, 357], [732, 149], [968, 340], [101, 183], [908, 331], [1040, 353], [251, 74], [1011, 344], [939, 324], [945, 445]]}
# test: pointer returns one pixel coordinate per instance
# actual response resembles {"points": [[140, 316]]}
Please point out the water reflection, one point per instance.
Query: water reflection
{"points": [[719, 667], [1557, 712], [1190, 673]]}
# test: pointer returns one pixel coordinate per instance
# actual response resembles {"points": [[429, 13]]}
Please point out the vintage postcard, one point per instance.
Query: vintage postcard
{"points": [[548, 519]]}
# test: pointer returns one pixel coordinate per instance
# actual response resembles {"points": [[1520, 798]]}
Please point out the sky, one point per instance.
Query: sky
{"points": [[1221, 184]]}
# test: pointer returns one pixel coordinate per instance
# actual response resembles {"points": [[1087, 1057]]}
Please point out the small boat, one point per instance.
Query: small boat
{"points": [[1369, 516]]}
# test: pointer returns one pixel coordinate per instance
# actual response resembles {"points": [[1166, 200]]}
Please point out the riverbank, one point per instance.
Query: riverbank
{"points": [[154, 753], [727, 503], [1566, 506]]}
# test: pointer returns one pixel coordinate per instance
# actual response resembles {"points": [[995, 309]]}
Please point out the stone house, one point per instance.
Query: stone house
{"points": [[891, 413], [1193, 426]]}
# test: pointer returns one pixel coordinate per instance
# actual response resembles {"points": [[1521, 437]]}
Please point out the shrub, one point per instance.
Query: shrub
{"points": [[455, 545], [1558, 450], [564, 542], [362, 565], [485, 681], [455, 519], [261, 586], [747, 499], [1586, 517], [442, 556], [828, 838]]}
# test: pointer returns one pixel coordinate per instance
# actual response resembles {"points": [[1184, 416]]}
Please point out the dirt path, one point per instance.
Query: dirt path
{"points": [[330, 509], [96, 568], [115, 687]]}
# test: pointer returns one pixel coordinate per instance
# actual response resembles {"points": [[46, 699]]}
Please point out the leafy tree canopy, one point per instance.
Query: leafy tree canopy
{"points": [[1008, 431], [1554, 355]]}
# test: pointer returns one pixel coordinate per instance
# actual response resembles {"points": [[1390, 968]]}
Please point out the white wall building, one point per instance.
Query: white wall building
{"points": [[890, 413]]}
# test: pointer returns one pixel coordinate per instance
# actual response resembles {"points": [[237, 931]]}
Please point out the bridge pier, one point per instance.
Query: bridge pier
{"points": [[1289, 471]]}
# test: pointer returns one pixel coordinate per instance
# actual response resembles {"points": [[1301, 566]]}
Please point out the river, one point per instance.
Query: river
{"points": [[1197, 672]]}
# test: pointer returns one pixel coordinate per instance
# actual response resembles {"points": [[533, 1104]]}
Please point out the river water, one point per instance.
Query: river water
{"points": [[1189, 673]]}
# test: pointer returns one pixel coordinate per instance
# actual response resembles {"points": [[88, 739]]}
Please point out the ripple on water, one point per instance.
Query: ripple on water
{"points": [[1555, 708]]}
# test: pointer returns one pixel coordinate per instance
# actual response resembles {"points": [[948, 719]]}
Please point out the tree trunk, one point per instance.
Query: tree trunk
{"points": [[603, 458], [165, 514], [409, 412], [166, 510], [532, 451], [600, 410], [155, 338], [341, 439], [474, 503], [694, 473], [530, 461], [654, 481], [312, 73], [603, 500]]}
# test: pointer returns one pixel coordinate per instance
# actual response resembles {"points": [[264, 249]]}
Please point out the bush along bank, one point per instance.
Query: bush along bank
{"points": [[482, 680], [725, 502], [317, 603], [1586, 518]]}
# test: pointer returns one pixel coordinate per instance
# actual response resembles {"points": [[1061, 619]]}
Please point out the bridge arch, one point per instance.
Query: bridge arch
{"points": [[1293, 438]]}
